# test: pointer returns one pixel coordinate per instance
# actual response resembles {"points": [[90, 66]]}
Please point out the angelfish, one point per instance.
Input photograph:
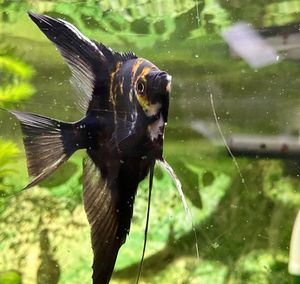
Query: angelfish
{"points": [[125, 100]]}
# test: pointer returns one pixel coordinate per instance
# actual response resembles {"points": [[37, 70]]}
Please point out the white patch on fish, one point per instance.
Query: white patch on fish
{"points": [[168, 87], [156, 128], [152, 109]]}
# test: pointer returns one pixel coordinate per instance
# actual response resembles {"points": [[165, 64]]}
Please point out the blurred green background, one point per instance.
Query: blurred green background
{"points": [[243, 228]]}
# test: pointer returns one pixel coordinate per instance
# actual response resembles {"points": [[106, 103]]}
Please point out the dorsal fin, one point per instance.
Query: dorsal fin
{"points": [[89, 61], [116, 56]]}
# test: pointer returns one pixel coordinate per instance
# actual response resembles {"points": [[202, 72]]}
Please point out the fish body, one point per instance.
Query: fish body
{"points": [[125, 100]]}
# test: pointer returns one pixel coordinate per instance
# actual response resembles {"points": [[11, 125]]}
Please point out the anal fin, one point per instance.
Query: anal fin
{"points": [[102, 213]]}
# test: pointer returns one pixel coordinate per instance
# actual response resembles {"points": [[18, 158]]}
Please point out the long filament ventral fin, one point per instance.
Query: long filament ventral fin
{"points": [[168, 168], [147, 222]]}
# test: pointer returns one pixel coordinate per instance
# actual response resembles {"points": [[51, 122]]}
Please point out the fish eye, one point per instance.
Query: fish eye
{"points": [[140, 87]]}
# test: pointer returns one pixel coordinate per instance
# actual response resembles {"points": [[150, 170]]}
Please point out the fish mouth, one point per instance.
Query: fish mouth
{"points": [[169, 80], [165, 81]]}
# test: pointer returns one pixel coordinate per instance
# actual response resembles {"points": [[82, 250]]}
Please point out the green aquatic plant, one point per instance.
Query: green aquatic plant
{"points": [[10, 277], [8, 152], [140, 24], [15, 86], [35, 228], [263, 267], [212, 19], [280, 184], [10, 11], [282, 13], [143, 23], [15, 76]]}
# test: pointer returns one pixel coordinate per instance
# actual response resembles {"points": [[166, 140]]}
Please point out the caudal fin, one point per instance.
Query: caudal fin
{"points": [[48, 143]]}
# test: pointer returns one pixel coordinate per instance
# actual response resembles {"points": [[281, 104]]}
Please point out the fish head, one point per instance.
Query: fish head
{"points": [[145, 91], [151, 88]]}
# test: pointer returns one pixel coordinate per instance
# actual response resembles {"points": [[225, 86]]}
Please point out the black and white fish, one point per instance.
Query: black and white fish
{"points": [[125, 99]]}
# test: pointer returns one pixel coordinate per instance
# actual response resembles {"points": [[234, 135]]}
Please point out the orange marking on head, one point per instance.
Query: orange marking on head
{"points": [[145, 71], [135, 68], [112, 92]]}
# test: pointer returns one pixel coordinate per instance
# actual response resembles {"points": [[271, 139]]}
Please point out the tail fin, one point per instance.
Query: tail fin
{"points": [[48, 143]]}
